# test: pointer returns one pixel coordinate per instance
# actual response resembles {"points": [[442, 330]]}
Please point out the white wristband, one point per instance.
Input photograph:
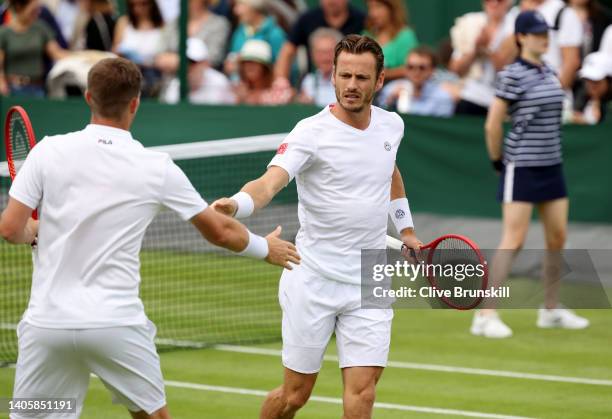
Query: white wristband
{"points": [[399, 210], [246, 205], [257, 247]]}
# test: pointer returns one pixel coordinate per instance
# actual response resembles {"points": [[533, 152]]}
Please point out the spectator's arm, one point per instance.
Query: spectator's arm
{"points": [[55, 52], [570, 63], [4, 88], [119, 32], [505, 54], [282, 68], [167, 62], [217, 44], [462, 65]]}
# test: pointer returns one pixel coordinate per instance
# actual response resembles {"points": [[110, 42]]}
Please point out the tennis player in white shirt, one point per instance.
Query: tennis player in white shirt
{"points": [[343, 161], [97, 190]]}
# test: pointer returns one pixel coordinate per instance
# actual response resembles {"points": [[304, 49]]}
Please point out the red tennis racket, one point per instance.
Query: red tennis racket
{"points": [[19, 139], [453, 262]]}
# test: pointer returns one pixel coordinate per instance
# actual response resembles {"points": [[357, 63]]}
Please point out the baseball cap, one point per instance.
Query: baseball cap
{"points": [[530, 21], [597, 66], [197, 50], [256, 50]]}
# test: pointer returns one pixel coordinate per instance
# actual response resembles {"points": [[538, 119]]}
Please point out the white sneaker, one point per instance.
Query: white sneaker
{"points": [[490, 326], [561, 317]]}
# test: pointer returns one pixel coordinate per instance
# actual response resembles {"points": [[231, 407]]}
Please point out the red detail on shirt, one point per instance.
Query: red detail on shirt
{"points": [[282, 148]]}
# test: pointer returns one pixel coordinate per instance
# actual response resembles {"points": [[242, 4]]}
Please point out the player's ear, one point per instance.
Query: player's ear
{"points": [[333, 79], [134, 104], [380, 81], [88, 97]]}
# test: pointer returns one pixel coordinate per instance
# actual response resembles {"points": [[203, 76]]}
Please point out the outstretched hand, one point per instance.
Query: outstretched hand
{"points": [[281, 252]]}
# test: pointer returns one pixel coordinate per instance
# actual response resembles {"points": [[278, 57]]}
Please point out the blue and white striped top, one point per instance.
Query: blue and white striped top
{"points": [[536, 99]]}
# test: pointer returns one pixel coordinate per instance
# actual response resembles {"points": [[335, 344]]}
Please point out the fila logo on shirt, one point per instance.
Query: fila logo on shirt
{"points": [[387, 146], [106, 142], [282, 148]]}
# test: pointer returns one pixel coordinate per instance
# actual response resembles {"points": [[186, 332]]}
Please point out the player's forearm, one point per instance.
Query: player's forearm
{"points": [[397, 185], [261, 192], [400, 209], [16, 234]]}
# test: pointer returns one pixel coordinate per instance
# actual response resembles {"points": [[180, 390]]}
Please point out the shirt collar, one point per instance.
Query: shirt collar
{"points": [[530, 64], [110, 131]]}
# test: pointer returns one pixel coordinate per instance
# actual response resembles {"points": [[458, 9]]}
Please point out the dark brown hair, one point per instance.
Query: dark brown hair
{"points": [[359, 44], [425, 51], [113, 83], [156, 16], [398, 12], [18, 5]]}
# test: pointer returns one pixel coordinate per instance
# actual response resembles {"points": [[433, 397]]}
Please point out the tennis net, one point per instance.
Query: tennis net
{"points": [[197, 294]]}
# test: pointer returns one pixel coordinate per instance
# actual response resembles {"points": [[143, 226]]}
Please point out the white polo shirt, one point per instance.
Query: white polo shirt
{"points": [[97, 191], [343, 178]]}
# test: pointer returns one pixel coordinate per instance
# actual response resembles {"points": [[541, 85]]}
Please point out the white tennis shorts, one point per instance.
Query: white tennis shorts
{"points": [[315, 307], [56, 363]]}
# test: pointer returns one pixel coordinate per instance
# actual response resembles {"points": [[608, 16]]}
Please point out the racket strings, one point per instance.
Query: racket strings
{"points": [[457, 264], [20, 145]]}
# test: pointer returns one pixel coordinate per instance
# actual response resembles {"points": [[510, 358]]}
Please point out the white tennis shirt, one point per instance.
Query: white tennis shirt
{"points": [[343, 177], [97, 190]]}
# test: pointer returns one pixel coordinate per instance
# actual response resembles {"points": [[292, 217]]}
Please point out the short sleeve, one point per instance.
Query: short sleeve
{"points": [[571, 32], [296, 153], [47, 32], [298, 35], [508, 87], [179, 195], [400, 128], [27, 187]]}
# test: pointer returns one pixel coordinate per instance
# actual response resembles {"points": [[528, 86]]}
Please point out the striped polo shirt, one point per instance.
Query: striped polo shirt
{"points": [[535, 100]]}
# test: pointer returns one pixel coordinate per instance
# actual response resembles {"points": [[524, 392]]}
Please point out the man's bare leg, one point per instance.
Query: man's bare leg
{"points": [[162, 413], [359, 391], [284, 401]]}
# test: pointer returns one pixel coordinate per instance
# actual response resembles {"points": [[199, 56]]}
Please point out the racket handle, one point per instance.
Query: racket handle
{"points": [[393, 243]]}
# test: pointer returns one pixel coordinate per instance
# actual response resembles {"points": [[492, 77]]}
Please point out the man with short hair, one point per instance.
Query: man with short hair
{"points": [[343, 160], [418, 94], [97, 190], [317, 86], [335, 14]]}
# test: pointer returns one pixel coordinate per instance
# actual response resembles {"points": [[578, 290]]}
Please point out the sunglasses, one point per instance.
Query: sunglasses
{"points": [[421, 67]]}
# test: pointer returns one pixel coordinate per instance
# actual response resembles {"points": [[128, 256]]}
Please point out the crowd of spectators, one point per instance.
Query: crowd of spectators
{"points": [[273, 52]]}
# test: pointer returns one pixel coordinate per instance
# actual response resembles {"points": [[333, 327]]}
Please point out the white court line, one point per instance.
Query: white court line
{"points": [[391, 364], [434, 367], [332, 400]]}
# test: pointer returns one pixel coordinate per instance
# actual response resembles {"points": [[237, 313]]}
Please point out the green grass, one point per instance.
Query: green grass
{"points": [[421, 336], [213, 298]]}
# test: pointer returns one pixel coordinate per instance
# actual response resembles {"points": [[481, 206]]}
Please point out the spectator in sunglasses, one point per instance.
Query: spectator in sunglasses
{"points": [[418, 94]]}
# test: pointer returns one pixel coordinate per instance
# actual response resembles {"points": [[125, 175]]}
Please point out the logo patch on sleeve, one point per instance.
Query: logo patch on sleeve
{"points": [[282, 148]]}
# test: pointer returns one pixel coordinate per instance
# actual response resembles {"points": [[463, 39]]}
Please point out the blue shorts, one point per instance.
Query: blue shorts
{"points": [[531, 184]]}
